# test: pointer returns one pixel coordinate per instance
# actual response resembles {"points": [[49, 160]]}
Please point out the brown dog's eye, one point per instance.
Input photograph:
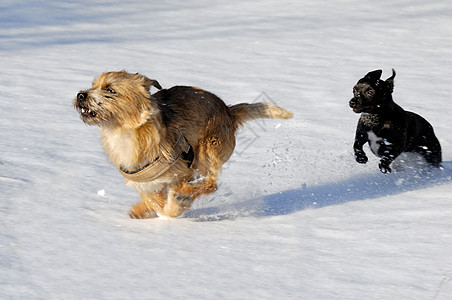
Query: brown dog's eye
{"points": [[110, 90]]}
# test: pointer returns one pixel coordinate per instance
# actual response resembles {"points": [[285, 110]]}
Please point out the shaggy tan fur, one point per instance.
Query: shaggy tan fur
{"points": [[137, 127]]}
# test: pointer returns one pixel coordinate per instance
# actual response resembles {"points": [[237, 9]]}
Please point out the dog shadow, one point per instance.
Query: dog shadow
{"points": [[311, 197]]}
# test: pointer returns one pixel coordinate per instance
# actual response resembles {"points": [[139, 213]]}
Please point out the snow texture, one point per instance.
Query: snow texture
{"points": [[295, 216]]}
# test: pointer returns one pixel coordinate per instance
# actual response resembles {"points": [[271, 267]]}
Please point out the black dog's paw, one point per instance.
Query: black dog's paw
{"points": [[384, 167], [361, 157]]}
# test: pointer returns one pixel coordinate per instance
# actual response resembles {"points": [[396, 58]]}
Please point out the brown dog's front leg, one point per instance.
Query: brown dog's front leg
{"points": [[177, 205], [150, 205]]}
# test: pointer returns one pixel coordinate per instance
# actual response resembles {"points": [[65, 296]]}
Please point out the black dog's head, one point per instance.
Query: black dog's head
{"points": [[371, 94]]}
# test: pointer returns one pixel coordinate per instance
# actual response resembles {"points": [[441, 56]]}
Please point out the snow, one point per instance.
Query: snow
{"points": [[295, 216]]}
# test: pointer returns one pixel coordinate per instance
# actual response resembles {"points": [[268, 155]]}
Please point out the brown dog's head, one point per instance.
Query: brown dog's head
{"points": [[371, 94], [117, 99]]}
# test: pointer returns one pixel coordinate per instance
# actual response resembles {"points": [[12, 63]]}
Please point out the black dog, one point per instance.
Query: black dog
{"points": [[388, 128]]}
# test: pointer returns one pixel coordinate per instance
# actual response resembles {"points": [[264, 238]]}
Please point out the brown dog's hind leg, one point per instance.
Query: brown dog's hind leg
{"points": [[212, 153], [194, 189], [181, 197]]}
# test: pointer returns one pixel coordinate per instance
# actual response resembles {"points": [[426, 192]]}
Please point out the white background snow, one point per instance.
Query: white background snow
{"points": [[295, 216]]}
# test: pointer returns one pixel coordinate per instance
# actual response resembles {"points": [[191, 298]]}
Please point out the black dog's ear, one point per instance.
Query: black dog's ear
{"points": [[390, 81], [373, 76]]}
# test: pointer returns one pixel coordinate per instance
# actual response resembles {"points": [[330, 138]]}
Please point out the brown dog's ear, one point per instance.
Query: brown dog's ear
{"points": [[154, 83], [373, 76], [147, 83], [390, 81]]}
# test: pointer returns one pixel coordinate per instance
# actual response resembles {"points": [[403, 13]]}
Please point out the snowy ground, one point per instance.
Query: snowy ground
{"points": [[295, 217]]}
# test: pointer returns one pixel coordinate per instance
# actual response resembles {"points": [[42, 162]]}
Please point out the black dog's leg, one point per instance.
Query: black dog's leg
{"points": [[431, 151], [361, 138], [384, 165], [388, 152]]}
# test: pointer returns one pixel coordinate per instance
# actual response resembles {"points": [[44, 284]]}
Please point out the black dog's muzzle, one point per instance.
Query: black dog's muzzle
{"points": [[360, 104], [356, 103], [353, 102]]}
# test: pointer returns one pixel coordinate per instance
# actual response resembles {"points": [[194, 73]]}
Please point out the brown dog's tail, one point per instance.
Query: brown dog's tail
{"points": [[244, 112]]}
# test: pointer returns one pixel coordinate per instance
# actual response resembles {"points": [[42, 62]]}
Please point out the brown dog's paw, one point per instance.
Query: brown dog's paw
{"points": [[142, 211], [177, 205], [146, 215]]}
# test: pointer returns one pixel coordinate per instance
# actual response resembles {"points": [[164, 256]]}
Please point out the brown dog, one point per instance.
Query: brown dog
{"points": [[169, 146]]}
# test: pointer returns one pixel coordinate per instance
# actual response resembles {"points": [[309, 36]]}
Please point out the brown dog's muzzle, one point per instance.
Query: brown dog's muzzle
{"points": [[83, 108], [81, 97]]}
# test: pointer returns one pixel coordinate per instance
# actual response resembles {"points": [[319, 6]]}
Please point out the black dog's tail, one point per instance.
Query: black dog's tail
{"points": [[244, 112]]}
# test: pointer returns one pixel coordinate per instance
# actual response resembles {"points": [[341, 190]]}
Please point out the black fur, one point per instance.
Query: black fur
{"points": [[388, 128]]}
